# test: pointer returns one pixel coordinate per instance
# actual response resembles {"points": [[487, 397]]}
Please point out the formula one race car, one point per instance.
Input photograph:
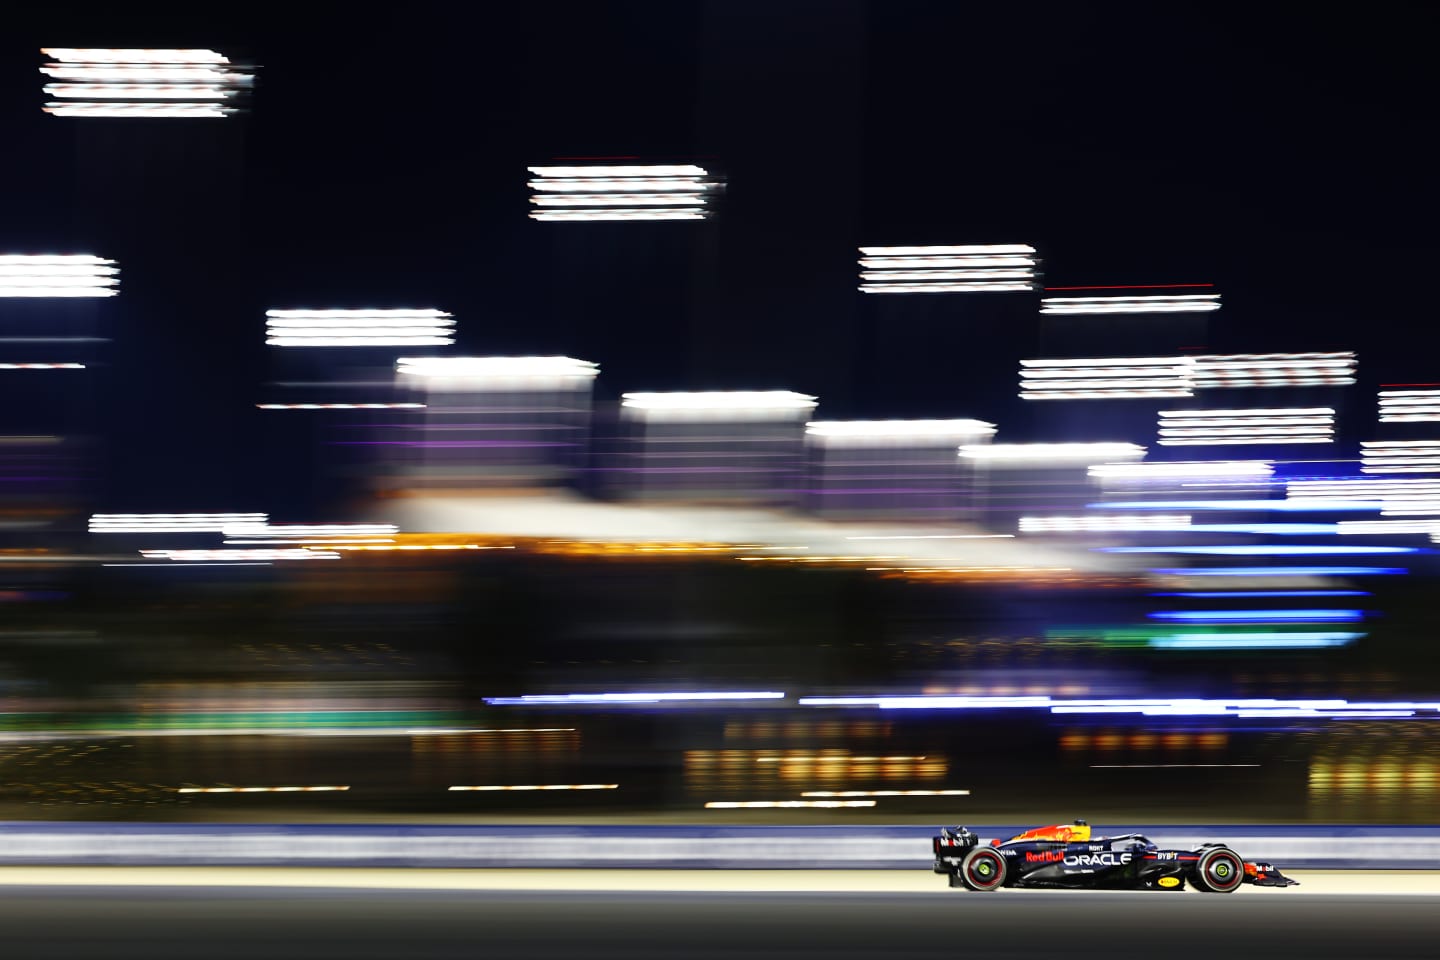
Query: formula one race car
{"points": [[1066, 856]]}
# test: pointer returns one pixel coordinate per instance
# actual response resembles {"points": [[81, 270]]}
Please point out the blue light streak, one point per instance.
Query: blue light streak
{"points": [[1267, 594], [1253, 641], [1317, 505], [630, 699], [1269, 550], [1279, 571], [1259, 616]]}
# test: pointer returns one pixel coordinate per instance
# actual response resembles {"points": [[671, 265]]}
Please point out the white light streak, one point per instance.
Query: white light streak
{"points": [[340, 406], [718, 404], [1098, 524], [1105, 378], [48, 275], [623, 172], [1150, 376], [358, 328], [938, 287], [940, 536], [1409, 406], [963, 269], [492, 788], [1061, 454], [1391, 527], [621, 192], [326, 789], [868, 433], [885, 793], [136, 111], [510, 373], [628, 214], [141, 83], [310, 529], [243, 554], [1184, 470], [1400, 456], [42, 366], [170, 522], [1273, 370], [642, 697], [1246, 426], [833, 758], [1148, 303], [617, 199], [784, 804], [123, 91], [984, 249], [143, 55]]}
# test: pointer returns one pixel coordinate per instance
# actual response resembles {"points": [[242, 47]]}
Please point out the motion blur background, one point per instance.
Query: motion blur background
{"points": [[492, 578]]}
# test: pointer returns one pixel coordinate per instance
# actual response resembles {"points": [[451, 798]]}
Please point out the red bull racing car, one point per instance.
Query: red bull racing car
{"points": [[1066, 856]]}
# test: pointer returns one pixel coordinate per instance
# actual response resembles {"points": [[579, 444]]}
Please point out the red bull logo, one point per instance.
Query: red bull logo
{"points": [[1045, 856]]}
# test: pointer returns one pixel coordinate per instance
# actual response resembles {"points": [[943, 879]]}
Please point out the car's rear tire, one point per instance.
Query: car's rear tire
{"points": [[983, 869], [1219, 870]]}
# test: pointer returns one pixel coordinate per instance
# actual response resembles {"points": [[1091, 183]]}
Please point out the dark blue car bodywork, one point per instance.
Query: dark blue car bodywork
{"points": [[1064, 857]]}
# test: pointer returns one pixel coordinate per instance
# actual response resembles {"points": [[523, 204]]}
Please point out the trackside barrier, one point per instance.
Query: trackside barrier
{"points": [[732, 847]]}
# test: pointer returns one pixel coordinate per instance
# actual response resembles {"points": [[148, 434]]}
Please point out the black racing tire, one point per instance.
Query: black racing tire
{"points": [[1219, 870], [983, 870]]}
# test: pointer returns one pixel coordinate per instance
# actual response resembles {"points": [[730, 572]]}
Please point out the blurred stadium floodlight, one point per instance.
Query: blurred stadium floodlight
{"points": [[621, 192], [141, 83], [1246, 426], [359, 328], [1044, 455], [1237, 370], [65, 275], [977, 268], [1400, 456], [1106, 378], [1409, 406], [171, 522], [864, 433], [499, 373], [1132, 303], [717, 404]]}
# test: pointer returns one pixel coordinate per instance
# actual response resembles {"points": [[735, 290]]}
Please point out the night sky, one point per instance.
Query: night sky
{"points": [[1289, 159]]}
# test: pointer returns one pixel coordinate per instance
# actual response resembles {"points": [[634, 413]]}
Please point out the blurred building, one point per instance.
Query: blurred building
{"points": [[715, 447], [892, 469], [497, 422]]}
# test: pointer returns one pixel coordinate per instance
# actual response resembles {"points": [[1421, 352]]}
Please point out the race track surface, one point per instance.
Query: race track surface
{"points": [[355, 914]]}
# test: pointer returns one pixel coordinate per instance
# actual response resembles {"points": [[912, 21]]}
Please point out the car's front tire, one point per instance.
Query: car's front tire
{"points": [[1219, 870], [983, 869]]}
